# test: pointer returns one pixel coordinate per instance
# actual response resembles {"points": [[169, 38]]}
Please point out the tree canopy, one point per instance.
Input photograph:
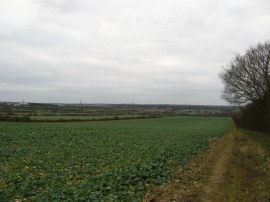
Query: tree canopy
{"points": [[247, 83], [247, 78]]}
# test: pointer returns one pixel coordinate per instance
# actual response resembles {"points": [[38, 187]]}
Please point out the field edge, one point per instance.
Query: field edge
{"points": [[234, 168]]}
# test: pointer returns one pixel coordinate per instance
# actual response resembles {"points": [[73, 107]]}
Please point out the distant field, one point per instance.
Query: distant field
{"points": [[110, 161], [79, 117], [198, 111]]}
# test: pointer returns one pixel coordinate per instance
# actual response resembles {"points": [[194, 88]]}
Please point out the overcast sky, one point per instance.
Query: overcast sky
{"points": [[123, 51]]}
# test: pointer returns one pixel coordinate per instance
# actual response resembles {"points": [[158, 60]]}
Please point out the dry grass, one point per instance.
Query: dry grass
{"points": [[247, 176]]}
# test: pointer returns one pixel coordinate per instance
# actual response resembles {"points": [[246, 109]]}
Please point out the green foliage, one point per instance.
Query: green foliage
{"points": [[98, 161]]}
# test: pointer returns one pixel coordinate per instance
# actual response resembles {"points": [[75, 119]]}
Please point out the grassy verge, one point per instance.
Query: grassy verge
{"points": [[248, 177]]}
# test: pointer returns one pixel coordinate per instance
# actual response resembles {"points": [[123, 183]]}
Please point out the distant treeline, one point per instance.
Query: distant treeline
{"points": [[28, 119], [15, 118], [7, 118]]}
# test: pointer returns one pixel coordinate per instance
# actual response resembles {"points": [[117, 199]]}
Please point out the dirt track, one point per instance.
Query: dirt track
{"points": [[219, 169]]}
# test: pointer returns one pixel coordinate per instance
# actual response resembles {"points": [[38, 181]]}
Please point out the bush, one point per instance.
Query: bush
{"points": [[254, 116]]}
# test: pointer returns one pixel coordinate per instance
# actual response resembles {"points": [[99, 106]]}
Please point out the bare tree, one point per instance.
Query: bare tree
{"points": [[247, 77]]}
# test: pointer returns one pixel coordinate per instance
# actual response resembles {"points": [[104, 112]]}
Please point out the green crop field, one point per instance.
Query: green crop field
{"points": [[98, 161]]}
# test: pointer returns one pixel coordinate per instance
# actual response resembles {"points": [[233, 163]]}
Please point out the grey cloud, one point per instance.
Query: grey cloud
{"points": [[153, 51]]}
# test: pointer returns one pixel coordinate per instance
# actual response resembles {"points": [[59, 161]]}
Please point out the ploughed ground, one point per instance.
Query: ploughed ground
{"points": [[236, 167]]}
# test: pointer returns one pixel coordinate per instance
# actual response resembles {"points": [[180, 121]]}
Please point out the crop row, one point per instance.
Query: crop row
{"points": [[102, 161]]}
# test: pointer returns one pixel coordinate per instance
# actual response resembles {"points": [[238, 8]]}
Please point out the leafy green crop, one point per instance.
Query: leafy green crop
{"points": [[98, 161]]}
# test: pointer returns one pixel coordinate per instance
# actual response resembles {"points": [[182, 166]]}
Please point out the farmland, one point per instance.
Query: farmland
{"points": [[68, 118], [42, 112], [110, 161]]}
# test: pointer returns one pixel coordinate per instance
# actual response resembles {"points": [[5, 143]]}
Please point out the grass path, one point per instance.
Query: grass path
{"points": [[219, 169]]}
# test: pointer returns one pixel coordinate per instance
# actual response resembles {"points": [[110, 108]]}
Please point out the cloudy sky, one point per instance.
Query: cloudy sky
{"points": [[123, 51]]}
